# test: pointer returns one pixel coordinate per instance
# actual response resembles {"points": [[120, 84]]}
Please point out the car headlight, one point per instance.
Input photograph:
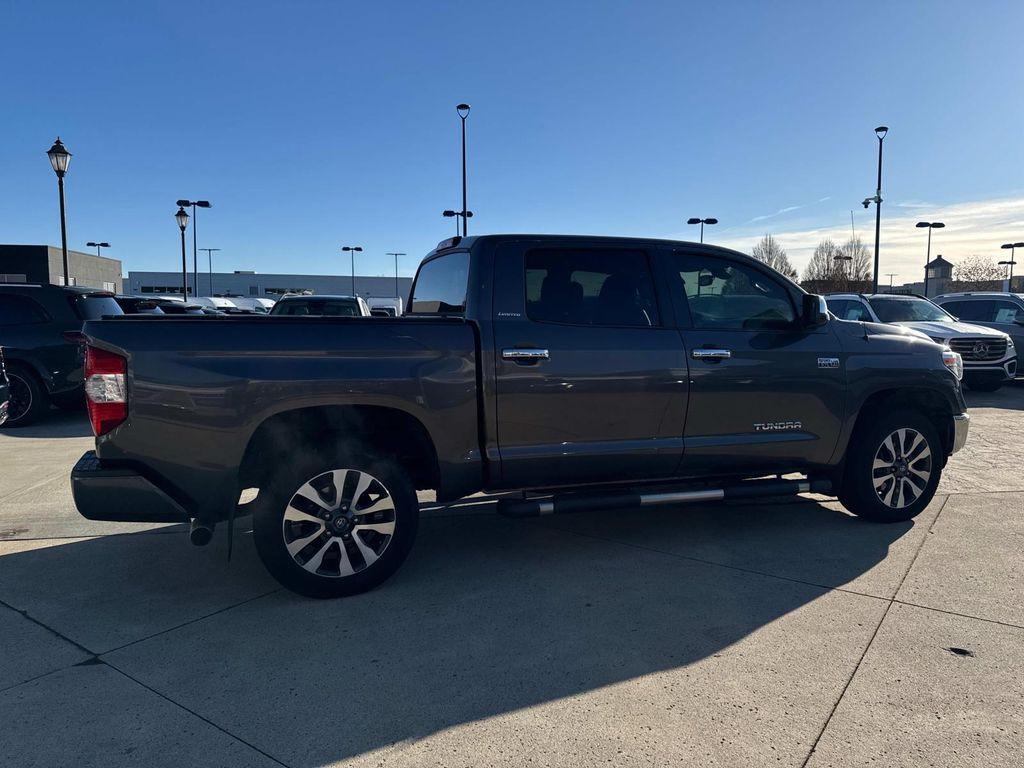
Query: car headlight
{"points": [[954, 362], [1009, 343]]}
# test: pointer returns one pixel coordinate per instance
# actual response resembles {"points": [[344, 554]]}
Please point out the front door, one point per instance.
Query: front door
{"points": [[591, 381], [765, 392]]}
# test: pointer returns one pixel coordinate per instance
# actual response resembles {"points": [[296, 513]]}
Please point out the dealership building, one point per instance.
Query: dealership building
{"points": [[267, 285], [45, 264]]}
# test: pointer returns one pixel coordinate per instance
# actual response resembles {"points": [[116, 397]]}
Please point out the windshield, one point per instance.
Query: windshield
{"points": [[94, 307], [908, 309], [329, 307]]}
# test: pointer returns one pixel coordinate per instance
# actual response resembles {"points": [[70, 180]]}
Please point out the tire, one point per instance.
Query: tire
{"points": [[902, 492], [28, 399], [332, 544]]}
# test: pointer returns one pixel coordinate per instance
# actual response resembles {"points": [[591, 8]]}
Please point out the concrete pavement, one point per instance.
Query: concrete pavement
{"points": [[785, 634]]}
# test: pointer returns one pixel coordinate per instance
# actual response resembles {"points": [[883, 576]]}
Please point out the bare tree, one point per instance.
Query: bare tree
{"points": [[822, 273], [858, 269], [771, 253], [977, 273]]}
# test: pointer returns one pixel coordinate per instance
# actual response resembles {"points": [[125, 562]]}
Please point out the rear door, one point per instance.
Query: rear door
{"points": [[591, 381], [765, 391]]}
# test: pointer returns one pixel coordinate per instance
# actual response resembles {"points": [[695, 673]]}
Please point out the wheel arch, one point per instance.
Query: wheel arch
{"points": [[384, 430], [932, 403]]}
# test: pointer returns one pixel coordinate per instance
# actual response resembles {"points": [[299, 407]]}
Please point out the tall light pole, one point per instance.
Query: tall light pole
{"points": [[97, 246], [891, 275], [929, 225], [209, 261], [702, 222], [396, 255], [464, 214], [1011, 247], [880, 132], [463, 111], [352, 250], [195, 259], [182, 218], [59, 159]]}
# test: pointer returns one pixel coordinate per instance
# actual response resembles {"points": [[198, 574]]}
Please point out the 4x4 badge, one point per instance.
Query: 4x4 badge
{"points": [[828, 362]]}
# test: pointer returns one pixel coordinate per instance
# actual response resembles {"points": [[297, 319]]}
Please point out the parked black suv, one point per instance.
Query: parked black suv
{"points": [[40, 327]]}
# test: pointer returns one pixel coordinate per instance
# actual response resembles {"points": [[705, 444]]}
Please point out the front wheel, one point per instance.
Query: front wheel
{"points": [[332, 526], [893, 467]]}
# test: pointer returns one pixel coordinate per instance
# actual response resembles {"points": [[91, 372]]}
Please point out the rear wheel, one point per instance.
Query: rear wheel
{"points": [[893, 467], [331, 526], [28, 400]]}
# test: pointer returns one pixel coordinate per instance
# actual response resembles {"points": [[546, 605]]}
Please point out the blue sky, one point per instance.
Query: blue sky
{"points": [[316, 124]]}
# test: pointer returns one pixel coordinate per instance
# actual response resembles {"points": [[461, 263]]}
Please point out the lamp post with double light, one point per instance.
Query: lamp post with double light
{"points": [[844, 271], [1012, 248], [929, 225], [352, 250], [97, 246], [702, 222], [457, 214], [195, 257], [209, 262], [60, 158], [182, 218]]}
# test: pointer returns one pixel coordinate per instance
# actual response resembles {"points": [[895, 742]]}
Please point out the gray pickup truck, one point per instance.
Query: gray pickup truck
{"points": [[585, 372]]}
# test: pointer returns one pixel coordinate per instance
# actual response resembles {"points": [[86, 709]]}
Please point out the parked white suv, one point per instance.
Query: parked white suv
{"points": [[989, 356]]}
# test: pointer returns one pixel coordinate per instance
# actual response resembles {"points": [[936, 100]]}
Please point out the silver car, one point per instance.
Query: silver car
{"points": [[1000, 311]]}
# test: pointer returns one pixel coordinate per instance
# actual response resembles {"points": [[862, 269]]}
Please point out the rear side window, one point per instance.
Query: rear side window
{"points": [[95, 307], [20, 310], [729, 295], [1006, 312], [441, 286], [590, 287]]}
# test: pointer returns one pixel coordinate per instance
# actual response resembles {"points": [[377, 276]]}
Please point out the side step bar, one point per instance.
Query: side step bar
{"points": [[592, 502]]}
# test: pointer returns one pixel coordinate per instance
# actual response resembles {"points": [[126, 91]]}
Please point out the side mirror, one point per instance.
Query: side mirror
{"points": [[814, 311]]}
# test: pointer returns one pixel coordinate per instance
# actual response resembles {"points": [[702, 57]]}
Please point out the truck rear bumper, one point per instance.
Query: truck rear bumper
{"points": [[961, 425], [120, 494]]}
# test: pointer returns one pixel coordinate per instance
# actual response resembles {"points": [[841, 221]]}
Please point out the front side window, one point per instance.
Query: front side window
{"points": [[19, 310], [441, 286], [969, 311], [580, 286], [845, 309], [729, 295], [908, 309]]}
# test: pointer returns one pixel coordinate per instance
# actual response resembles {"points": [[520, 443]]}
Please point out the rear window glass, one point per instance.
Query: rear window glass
{"points": [[95, 307], [318, 307], [441, 286]]}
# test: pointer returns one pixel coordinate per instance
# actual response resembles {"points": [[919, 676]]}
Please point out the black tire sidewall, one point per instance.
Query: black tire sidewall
{"points": [[269, 512], [859, 494], [40, 402]]}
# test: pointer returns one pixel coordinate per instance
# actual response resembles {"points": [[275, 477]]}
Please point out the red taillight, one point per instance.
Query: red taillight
{"points": [[105, 390]]}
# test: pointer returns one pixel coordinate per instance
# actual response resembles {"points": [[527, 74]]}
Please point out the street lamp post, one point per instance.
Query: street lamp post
{"points": [[891, 275], [396, 255], [97, 246], [352, 250], [195, 259], [1011, 247], [457, 214], [59, 159], [929, 225], [702, 222], [209, 261], [182, 218], [463, 112], [880, 132]]}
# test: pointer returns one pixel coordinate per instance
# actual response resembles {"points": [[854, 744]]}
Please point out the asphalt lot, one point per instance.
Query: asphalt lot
{"points": [[757, 634]]}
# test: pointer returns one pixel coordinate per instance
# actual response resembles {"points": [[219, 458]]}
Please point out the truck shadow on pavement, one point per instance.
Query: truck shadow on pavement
{"points": [[56, 423], [489, 616]]}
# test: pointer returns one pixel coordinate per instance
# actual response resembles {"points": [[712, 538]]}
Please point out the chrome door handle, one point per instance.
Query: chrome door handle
{"points": [[526, 354], [711, 354]]}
